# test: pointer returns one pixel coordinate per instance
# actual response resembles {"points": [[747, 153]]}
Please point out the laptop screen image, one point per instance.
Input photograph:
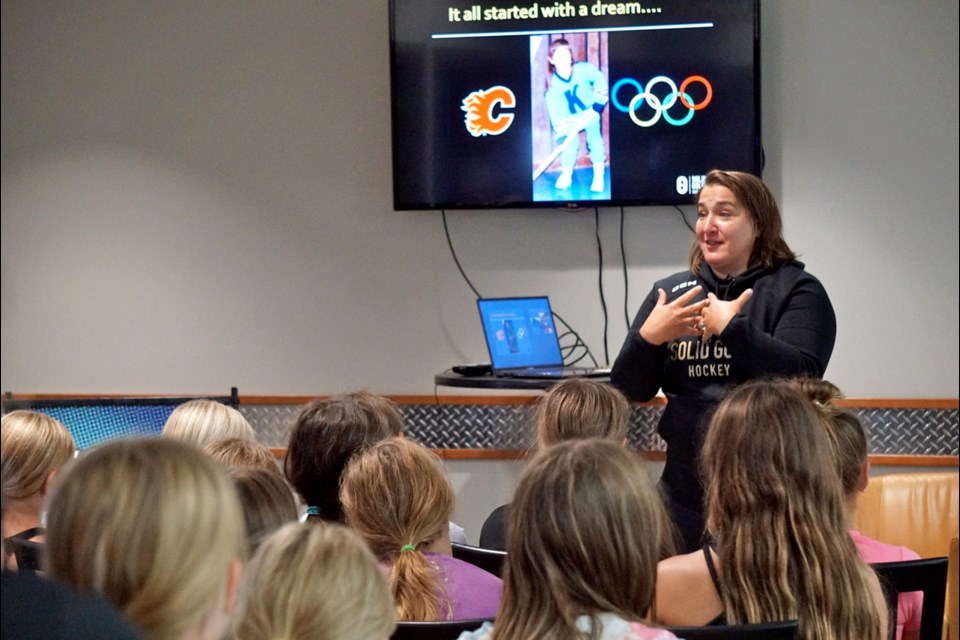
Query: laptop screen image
{"points": [[520, 333]]}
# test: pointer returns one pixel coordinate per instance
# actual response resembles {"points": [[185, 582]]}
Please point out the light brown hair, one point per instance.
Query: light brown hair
{"points": [[579, 408], [847, 434], [242, 452], [396, 496], [776, 511], [582, 539], [267, 501]]}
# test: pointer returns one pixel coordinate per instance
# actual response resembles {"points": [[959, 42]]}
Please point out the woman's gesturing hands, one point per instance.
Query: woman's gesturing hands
{"points": [[670, 320], [718, 313]]}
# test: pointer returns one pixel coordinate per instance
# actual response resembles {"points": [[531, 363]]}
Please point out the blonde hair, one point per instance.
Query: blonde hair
{"points": [[776, 510], [33, 445], [242, 452], [579, 408], [583, 538], [153, 525], [204, 421], [396, 496], [310, 582]]}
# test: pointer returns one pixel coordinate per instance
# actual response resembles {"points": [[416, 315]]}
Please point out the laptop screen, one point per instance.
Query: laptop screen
{"points": [[520, 332]]}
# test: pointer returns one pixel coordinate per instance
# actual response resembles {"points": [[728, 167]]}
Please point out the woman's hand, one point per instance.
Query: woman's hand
{"points": [[718, 313], [671, 320]]}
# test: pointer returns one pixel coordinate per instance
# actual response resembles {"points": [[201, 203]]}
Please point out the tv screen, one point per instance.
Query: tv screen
{"points": [[570, 103]]}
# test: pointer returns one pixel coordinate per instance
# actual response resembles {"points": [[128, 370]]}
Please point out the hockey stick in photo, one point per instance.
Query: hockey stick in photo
{"points": [[579, 125]]}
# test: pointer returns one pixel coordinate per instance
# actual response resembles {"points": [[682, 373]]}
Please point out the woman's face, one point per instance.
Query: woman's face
{"points": [[725, 231], [562, 61]]}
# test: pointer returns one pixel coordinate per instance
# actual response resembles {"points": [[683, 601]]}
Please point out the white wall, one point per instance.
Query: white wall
{"points": [[197, 195]]}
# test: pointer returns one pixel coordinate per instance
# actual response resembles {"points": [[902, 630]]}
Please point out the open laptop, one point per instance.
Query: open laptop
{"points": [[522, 339]]}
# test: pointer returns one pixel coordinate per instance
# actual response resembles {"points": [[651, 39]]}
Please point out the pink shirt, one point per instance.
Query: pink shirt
{"points": [[909, 605]]}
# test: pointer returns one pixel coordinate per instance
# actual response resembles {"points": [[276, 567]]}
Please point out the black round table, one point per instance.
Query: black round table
{"points": [[449, 378]]}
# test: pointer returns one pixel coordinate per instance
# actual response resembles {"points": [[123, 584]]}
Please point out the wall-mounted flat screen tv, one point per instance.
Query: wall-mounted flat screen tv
{"points": [[570, 103]]}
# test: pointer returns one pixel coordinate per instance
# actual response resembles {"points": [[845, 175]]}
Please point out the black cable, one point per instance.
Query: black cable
{"points": [[626, 283], [684, 217], [579, 342], [577, 336], [570, 349], [603, 301], [453, 253]]}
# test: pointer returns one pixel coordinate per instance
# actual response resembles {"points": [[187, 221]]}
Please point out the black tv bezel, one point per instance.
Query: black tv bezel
{"points": [[527, 204]]}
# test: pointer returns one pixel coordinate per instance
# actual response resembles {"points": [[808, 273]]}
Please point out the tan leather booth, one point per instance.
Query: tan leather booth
{"points": [[917, 510]]}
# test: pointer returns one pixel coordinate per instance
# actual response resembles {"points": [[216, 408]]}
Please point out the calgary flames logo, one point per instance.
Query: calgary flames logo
{"points": [[480, 106]]}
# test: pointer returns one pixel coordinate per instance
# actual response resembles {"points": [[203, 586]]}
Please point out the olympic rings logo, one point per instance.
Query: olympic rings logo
{"points": [[661, 107]]}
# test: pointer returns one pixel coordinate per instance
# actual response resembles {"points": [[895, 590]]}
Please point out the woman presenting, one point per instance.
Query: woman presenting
{"points": [[745, 309]]}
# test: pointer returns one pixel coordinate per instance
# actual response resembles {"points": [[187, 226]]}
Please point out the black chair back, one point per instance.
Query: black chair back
{"points": [[928, 575], [486, 559], [442, 630], [786, 630]]}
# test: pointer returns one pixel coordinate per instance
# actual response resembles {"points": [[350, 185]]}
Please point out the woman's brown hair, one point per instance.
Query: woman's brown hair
{"points": [[753, 194]]}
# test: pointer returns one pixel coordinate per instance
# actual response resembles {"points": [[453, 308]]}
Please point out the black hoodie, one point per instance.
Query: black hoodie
{"points": [[787, 328]]}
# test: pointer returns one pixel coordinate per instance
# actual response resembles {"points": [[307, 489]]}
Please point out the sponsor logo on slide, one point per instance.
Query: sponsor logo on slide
{"points": [[481, 106]]}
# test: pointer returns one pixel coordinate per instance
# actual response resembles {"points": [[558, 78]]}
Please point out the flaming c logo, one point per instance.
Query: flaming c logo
{"points": [[480, 106]]}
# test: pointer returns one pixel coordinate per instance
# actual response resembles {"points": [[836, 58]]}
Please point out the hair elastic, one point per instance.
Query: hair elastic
{"points": [[314, 511], [407, 547]]}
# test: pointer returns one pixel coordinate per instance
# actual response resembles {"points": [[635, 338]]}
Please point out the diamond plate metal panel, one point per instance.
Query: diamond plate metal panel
{"points": [[491, 426], [643, 429], [912, 431], [465, 426], [271, 422]]}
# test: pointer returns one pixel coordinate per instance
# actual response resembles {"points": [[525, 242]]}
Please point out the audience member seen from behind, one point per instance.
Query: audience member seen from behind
{"points": [[848, 438], [266, 499], [242, 452], [573, 409], [202, 422], [154, 526], [314, 583], [775, 512], [745, 309], [582, 547], [34, 607], [325, 435], [35, 447], [396, 496]]}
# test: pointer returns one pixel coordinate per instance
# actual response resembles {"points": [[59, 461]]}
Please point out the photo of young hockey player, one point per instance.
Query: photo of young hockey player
{"points": [[570, 94]]}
